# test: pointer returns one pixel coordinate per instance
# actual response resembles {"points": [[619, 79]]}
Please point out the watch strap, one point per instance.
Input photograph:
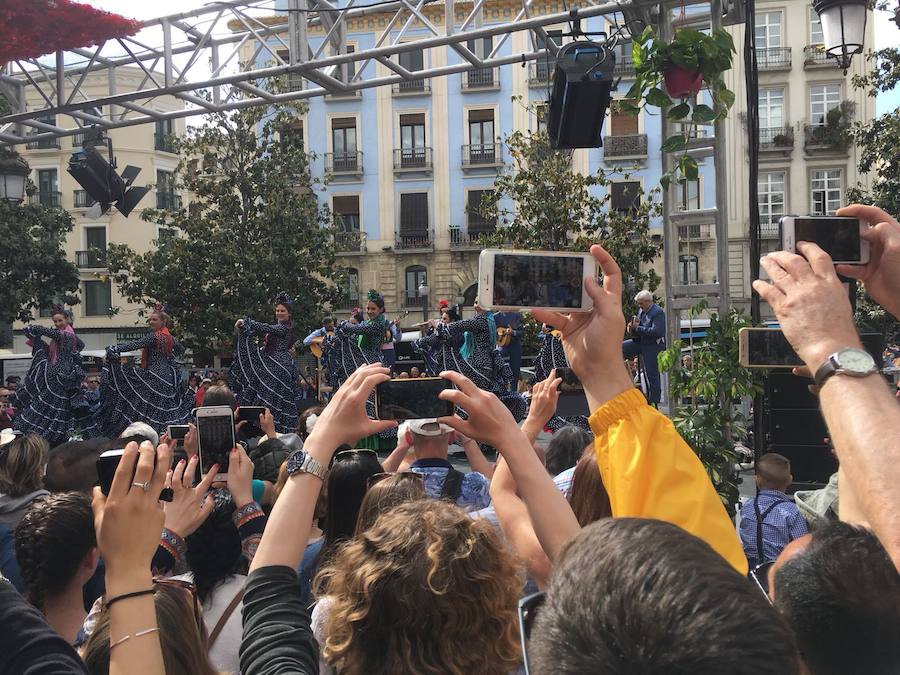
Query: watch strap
{"points": [[825, 371], [301, 461]]}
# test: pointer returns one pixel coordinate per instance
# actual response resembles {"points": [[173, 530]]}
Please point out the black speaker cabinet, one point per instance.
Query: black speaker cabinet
{"points": [[787, 391], [797, 427], [812, 464], [582, 86]]}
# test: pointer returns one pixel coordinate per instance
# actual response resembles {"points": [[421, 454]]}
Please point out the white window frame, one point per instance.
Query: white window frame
{"points": [[771, 98], [766, 21], [822, 99], [829, 180], [767, 188], [816, 35]]}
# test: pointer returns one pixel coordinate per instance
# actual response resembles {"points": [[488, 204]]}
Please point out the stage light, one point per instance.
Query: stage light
{"points": [[105, 186], [582, 86], [843, 27]]}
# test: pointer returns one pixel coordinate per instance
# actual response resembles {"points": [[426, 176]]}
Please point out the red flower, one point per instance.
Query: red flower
{"points": [[37, 27]]}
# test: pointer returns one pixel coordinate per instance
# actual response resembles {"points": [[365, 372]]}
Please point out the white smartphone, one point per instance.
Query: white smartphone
{"points": [[836, 235], [215, 434], [766, 348], [518, 280]]}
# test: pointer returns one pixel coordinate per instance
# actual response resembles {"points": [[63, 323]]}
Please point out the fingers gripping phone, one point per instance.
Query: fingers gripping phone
{"points": [[177, 433], [518, 280], [215, 434], [839, 237], [412, 399], [250, 414], [108, 463]]}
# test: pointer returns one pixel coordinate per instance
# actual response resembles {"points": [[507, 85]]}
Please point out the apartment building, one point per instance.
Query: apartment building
{"points": [[104, 317]]}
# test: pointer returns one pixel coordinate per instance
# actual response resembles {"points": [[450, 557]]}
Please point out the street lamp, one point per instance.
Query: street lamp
{"points": [[422, 291], [13, 174], [843, 28]]}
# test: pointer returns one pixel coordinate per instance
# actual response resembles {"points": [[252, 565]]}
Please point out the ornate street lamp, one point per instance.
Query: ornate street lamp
{"points": [[844, 28], [423, 293], [13, 175]]}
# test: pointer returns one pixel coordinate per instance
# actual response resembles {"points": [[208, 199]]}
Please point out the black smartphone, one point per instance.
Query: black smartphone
{"points": [[412, 399], [215, 433], [569, 378], [177, 433], [108, 463], [769, 348], [250, 414]]}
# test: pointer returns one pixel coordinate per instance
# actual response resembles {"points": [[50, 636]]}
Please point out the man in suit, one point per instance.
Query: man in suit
{"points": [[648, 339]]}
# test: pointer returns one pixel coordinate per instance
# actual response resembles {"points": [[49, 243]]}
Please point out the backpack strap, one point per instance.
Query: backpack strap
{"points": [[452, 487], [760, 518], [223, 619]]}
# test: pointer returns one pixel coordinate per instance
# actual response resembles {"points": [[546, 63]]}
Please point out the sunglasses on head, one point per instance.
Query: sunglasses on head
{"points": [[376, 478], [348, 453], [528, 609]]}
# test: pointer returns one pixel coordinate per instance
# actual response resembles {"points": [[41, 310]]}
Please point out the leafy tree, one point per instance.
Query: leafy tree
{"points": [[34, 272], [253, 228], [557, 209], [702, 397]]}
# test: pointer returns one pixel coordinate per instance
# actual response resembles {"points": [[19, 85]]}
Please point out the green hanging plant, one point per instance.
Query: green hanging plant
{"points": [[679, 69]]}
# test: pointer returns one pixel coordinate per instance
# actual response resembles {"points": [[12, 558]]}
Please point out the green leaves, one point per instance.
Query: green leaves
{"points": [[679, 111], [674, 143], [704, 114], [659, 98]]}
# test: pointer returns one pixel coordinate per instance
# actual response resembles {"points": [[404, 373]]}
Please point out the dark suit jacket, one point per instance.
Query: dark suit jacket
{"points": [[652, 328]]}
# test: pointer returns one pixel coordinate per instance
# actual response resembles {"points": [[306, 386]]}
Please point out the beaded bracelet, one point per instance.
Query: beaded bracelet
{"points": [[128, 637]]}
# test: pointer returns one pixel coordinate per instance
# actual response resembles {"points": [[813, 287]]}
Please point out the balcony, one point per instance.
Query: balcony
{"points": [[776, 139], [348, 300], [344, 163], [48, 198], [82, 199], [624, 67], [412, 88], [814, 56], [413, 299], [168, 201], [292, 82], [418, 240], [350, 242], [90, 260], [470, 239], [78, 139], [480, 79], [43, 143], [696, 232], [770, 230], [486, 154], [540, 73], [827, 139], [412, 159], [164, 142], [625, 147], [773, 58]]}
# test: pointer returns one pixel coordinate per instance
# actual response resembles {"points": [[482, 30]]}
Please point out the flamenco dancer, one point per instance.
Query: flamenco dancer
{"points": [[154, 392], [267, 375], [49, 401], [477, 358], [552, 355]]}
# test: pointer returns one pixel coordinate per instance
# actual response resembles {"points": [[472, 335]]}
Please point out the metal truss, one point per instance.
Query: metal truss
{"points": [[197, 59]]}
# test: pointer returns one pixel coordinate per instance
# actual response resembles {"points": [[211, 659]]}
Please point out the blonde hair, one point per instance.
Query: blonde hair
{"points": [[22, 462], [425, 590], [386, 494]]}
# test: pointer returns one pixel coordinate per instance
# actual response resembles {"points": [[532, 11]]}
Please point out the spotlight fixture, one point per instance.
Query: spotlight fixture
{"points": [[100, 180]]}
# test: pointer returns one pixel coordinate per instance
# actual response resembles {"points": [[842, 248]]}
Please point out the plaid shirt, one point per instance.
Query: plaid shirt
{"points": [[783, 524]]}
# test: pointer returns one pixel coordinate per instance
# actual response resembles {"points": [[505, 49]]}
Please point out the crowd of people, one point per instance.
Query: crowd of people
{"points": [[606, 550]]}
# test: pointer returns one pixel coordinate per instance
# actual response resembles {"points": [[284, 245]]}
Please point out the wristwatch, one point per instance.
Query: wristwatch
{"points": [[301, 461], [848, 361]]}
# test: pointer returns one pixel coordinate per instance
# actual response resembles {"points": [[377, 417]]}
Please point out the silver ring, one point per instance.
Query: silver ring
{"points": [[145, 486]]}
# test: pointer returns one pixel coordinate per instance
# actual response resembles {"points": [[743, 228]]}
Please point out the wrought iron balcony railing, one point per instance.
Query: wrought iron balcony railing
{"points": [[90, 260], [630, 145], [50, 198], [164, 142], [344, 162], [422, 86], [419, 239], [480, 78], [82, 199], [773, 58], [776, 138], [413, 159], [485, 154]]}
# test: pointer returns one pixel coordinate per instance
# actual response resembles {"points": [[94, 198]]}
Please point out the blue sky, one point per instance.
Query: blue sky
{"points": [[887, 34]]}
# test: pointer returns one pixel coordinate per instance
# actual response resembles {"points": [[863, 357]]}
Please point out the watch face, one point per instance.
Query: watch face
{"points": [[855, 360]]}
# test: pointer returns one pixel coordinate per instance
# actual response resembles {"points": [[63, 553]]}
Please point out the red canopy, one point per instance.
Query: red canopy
{"points": [[30, 28]]}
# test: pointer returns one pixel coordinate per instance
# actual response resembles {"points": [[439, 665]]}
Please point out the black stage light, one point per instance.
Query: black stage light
{"points": [[582, 86], [99, 179]]}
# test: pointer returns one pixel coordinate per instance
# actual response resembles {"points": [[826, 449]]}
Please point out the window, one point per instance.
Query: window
{"points": [[415, 276], [346, 212], [545, 65], [95, 247], [689, 195], [688, 270], [97, 298], [542, 112], [413, 220], [44, 143], [349, 286], [825, 191], [771, 108], [291, 81], [768, 30], [481, 136], [477, 223], [343, 143], [822, 98], [816, 36], [481, 77], [621, 121], [412, 60], [164, 233], [626, 196], [771, 198], [165, 190], [349, 69], [48, 194], [163, 137], [292, 134], [412, 140]]}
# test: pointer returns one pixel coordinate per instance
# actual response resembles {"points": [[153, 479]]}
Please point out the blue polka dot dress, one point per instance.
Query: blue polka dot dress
{"points": [[267, 375], [153, 392], [553, 355], [49, 401]]}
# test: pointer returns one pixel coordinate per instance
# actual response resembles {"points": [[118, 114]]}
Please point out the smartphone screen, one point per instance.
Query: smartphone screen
{"points": [[412, 399], [537, 281], [177, 432], [838, 237], [771, 348], [216, 436], [108, 463], [250, 414]]}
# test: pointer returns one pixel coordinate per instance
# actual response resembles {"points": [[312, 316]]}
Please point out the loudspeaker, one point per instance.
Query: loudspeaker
{"points": [[797, 427], [787, 391], [809, 463], [582, 82]]}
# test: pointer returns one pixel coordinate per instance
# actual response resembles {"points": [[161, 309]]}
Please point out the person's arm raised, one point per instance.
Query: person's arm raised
{"points": [[862, 415], [544, 399], [128, 522], [491, 422]]}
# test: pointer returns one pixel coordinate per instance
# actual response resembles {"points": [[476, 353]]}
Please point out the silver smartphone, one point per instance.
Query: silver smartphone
{"points": [[215, 434], [517, 280], [836, 235]]}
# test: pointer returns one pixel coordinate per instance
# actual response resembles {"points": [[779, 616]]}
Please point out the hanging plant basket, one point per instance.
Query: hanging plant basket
{"points": [[683, 83]]}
